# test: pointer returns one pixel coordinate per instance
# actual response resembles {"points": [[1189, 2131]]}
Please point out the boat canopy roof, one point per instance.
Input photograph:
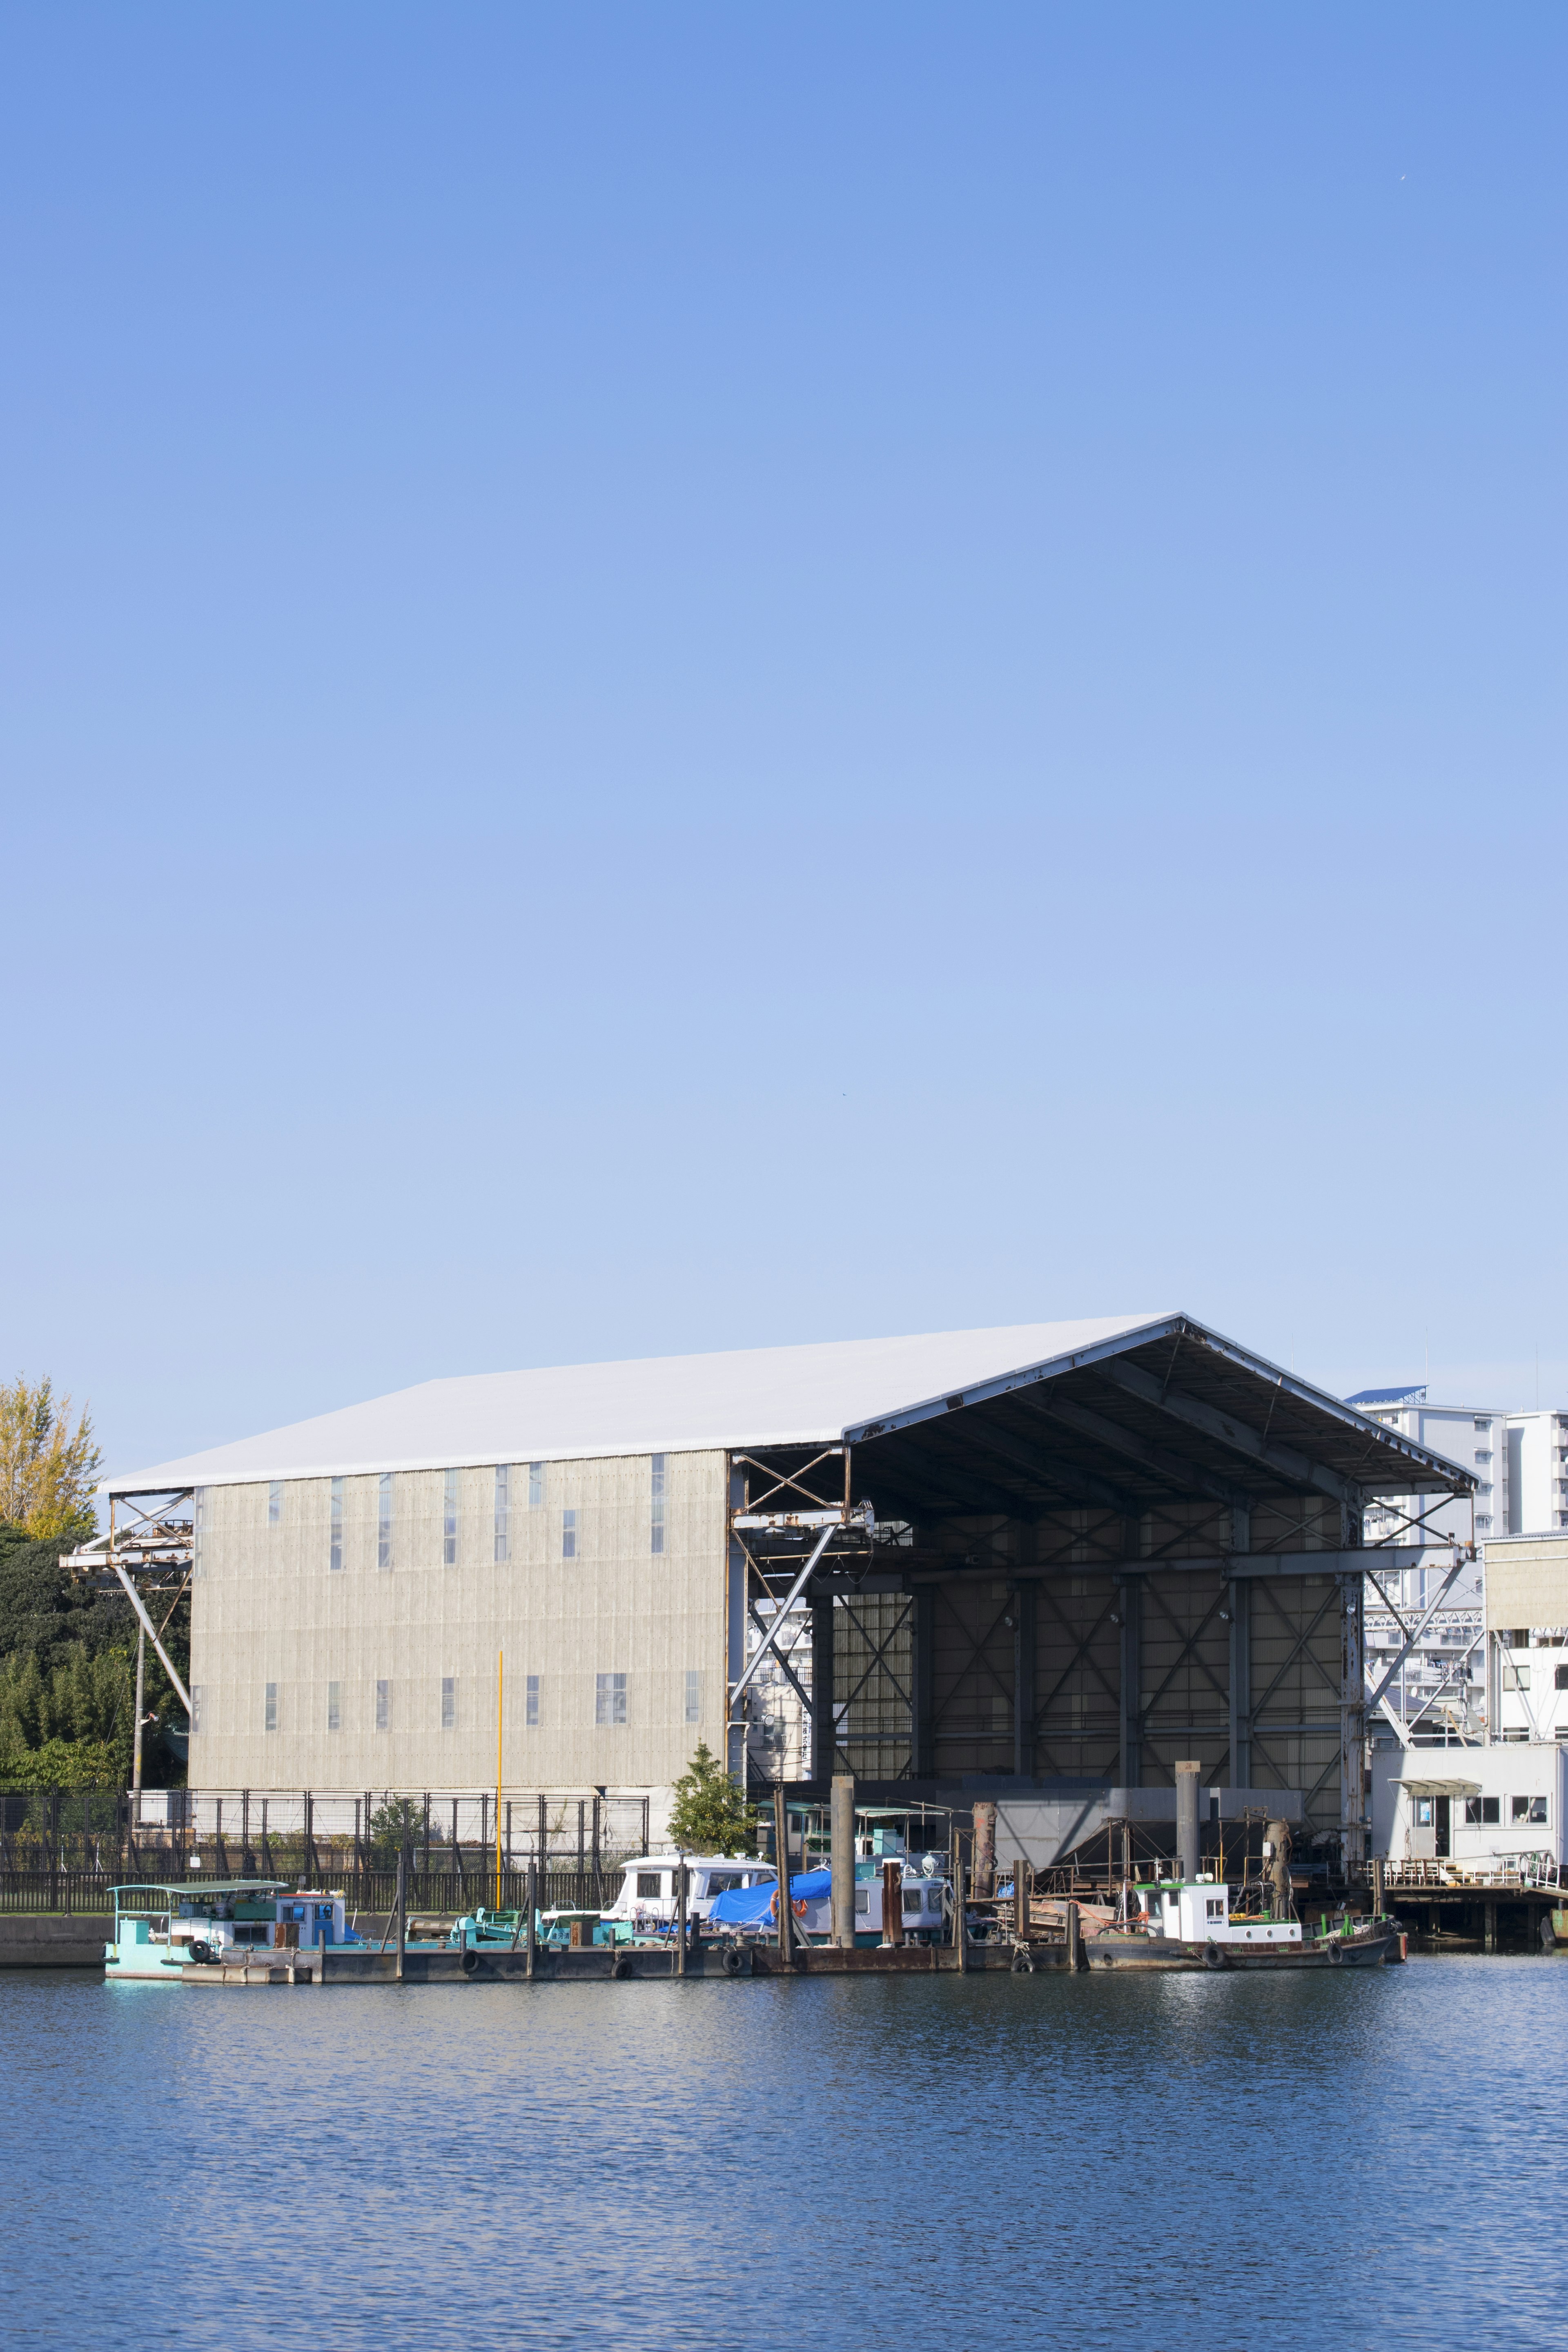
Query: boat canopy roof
{"points": [[186, 1887]]}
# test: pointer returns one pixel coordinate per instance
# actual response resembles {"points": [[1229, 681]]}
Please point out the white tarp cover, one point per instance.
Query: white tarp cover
{"points": [[658, 1404]]}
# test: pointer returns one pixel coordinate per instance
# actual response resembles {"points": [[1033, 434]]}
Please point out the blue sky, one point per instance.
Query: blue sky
{"points": [[693, 677]]}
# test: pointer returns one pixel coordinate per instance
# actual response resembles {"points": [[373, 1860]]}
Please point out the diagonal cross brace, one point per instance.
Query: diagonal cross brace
{"points": [[1416, 1631], [770, 1639], [761, 1622], [152, 1631]]}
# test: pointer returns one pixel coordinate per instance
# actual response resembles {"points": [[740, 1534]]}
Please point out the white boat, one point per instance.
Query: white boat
{"points": [[922, 1896], [647, 1902], [160, 1931], [1197, 1911]]}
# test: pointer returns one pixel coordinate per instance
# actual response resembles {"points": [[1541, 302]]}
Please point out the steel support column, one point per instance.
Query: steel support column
{"points": [[1132, 1710], [824, 1744], [1352, 1720], [922, 1730], [1240, 1606], [1023, 1681]]}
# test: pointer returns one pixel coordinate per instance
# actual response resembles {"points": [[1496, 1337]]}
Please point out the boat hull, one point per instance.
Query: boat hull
{"points": [[1214, 1959]]}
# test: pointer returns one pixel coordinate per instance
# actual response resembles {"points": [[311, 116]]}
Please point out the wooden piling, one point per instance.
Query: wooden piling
{"points": [[841, 1826], [529, 1964], [892, 1904], [781, 1846], [985, 1850], [402, 1903], [1021, 1876], [681, 1918], [960, 1932], [1075, 1938]]}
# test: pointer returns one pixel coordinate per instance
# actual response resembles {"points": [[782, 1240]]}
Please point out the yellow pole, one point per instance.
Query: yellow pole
{"points": [[500, 1684]]}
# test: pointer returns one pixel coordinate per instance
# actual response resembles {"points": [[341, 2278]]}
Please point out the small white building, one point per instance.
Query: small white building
{"points": [[1479, 1808]]}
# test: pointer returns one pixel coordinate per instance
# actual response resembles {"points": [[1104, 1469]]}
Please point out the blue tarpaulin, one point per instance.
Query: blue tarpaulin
{"points": [[752, 1906]]}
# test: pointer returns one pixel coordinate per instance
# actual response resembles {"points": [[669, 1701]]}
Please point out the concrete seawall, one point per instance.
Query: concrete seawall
{"points": [[30, 1940]]}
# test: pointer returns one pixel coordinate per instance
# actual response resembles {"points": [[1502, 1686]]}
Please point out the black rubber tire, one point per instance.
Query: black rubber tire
{"points": [[469, 1963], [731, 1962], [623, 1968], [1023, 1962], [203, 1954], [1213, 1956], [1336, 1955]]}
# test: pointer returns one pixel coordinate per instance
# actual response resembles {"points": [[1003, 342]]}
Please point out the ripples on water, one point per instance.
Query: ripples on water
{"points": [[1178, 2161]]}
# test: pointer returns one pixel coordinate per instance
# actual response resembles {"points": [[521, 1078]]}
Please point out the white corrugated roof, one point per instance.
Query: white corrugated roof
{"points": [[658, 1404]]}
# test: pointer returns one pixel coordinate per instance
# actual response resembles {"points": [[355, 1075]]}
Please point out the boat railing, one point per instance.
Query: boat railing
{"points": [[1540, 1872]]}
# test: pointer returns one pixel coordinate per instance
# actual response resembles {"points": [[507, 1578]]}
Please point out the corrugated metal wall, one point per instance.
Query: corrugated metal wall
{"points": [[267, 1609], [1075, 1647]]}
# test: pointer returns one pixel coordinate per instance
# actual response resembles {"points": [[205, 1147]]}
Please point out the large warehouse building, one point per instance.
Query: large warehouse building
{"points": [[1051, 1554]]}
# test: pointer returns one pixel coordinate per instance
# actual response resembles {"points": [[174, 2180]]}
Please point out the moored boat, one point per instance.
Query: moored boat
{"points": [[923, 1889], [1189, 1923], [223, 1921], [649, 1902]]}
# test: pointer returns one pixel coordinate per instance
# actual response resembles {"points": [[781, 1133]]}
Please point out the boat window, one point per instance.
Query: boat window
{"points": [[1530, 1809], [863, 1900], [724, 1882], [1423, 1812], [912, 1898], [647, 1882]]}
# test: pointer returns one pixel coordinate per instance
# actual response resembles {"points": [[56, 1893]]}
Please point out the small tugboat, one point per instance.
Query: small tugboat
{"points": [[209, 1926], [1177, 1923]]}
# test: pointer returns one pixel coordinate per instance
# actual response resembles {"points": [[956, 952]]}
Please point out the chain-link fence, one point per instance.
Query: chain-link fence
{"points": [[64, 1849]]}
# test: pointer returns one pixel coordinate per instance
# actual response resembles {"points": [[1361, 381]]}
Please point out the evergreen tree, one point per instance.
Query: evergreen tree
{"points": [[710, 1814]]}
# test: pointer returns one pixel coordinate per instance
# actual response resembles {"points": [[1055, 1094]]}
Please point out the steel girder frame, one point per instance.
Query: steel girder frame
{"points": [[1041, 1659], [874, 1708]]}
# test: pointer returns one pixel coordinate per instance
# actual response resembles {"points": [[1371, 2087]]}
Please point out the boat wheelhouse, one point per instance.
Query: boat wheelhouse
{"points": [[649, 1901], [1197, 1911]]}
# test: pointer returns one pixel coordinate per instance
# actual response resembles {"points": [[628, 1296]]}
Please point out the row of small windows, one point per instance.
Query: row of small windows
{"points": [[610, 1692], [450, 1514]]}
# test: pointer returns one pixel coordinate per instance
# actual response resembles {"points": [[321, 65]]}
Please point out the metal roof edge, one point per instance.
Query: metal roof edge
{"points": [[1023, 1376], [1027, 1375], [378, 1465], [1336, 1407]]}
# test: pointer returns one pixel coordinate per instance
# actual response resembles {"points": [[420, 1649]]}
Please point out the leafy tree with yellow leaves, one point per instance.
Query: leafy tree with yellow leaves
{"points": [[46, 1468]]}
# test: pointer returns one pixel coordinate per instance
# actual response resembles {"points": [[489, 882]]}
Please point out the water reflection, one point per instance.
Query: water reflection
{"points": [[823, 2163]]}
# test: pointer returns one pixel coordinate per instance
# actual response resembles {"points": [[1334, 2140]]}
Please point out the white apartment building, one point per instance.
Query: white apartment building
{"points": [[1443, 1692], [1520, 1458]]}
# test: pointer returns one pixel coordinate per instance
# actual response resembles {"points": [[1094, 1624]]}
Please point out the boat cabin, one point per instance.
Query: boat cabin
{"points": [[154, 1940], [648, 1901], [1197, 1911]]}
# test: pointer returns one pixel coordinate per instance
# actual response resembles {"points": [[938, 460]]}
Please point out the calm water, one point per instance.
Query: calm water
{"points": [[1175, 2162]]}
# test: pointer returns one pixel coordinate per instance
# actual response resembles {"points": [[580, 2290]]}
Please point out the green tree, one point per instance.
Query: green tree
{"points": [[710, 1814], [42, 1609], [46, 1468], [388, 1824], [72, 1724]]}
